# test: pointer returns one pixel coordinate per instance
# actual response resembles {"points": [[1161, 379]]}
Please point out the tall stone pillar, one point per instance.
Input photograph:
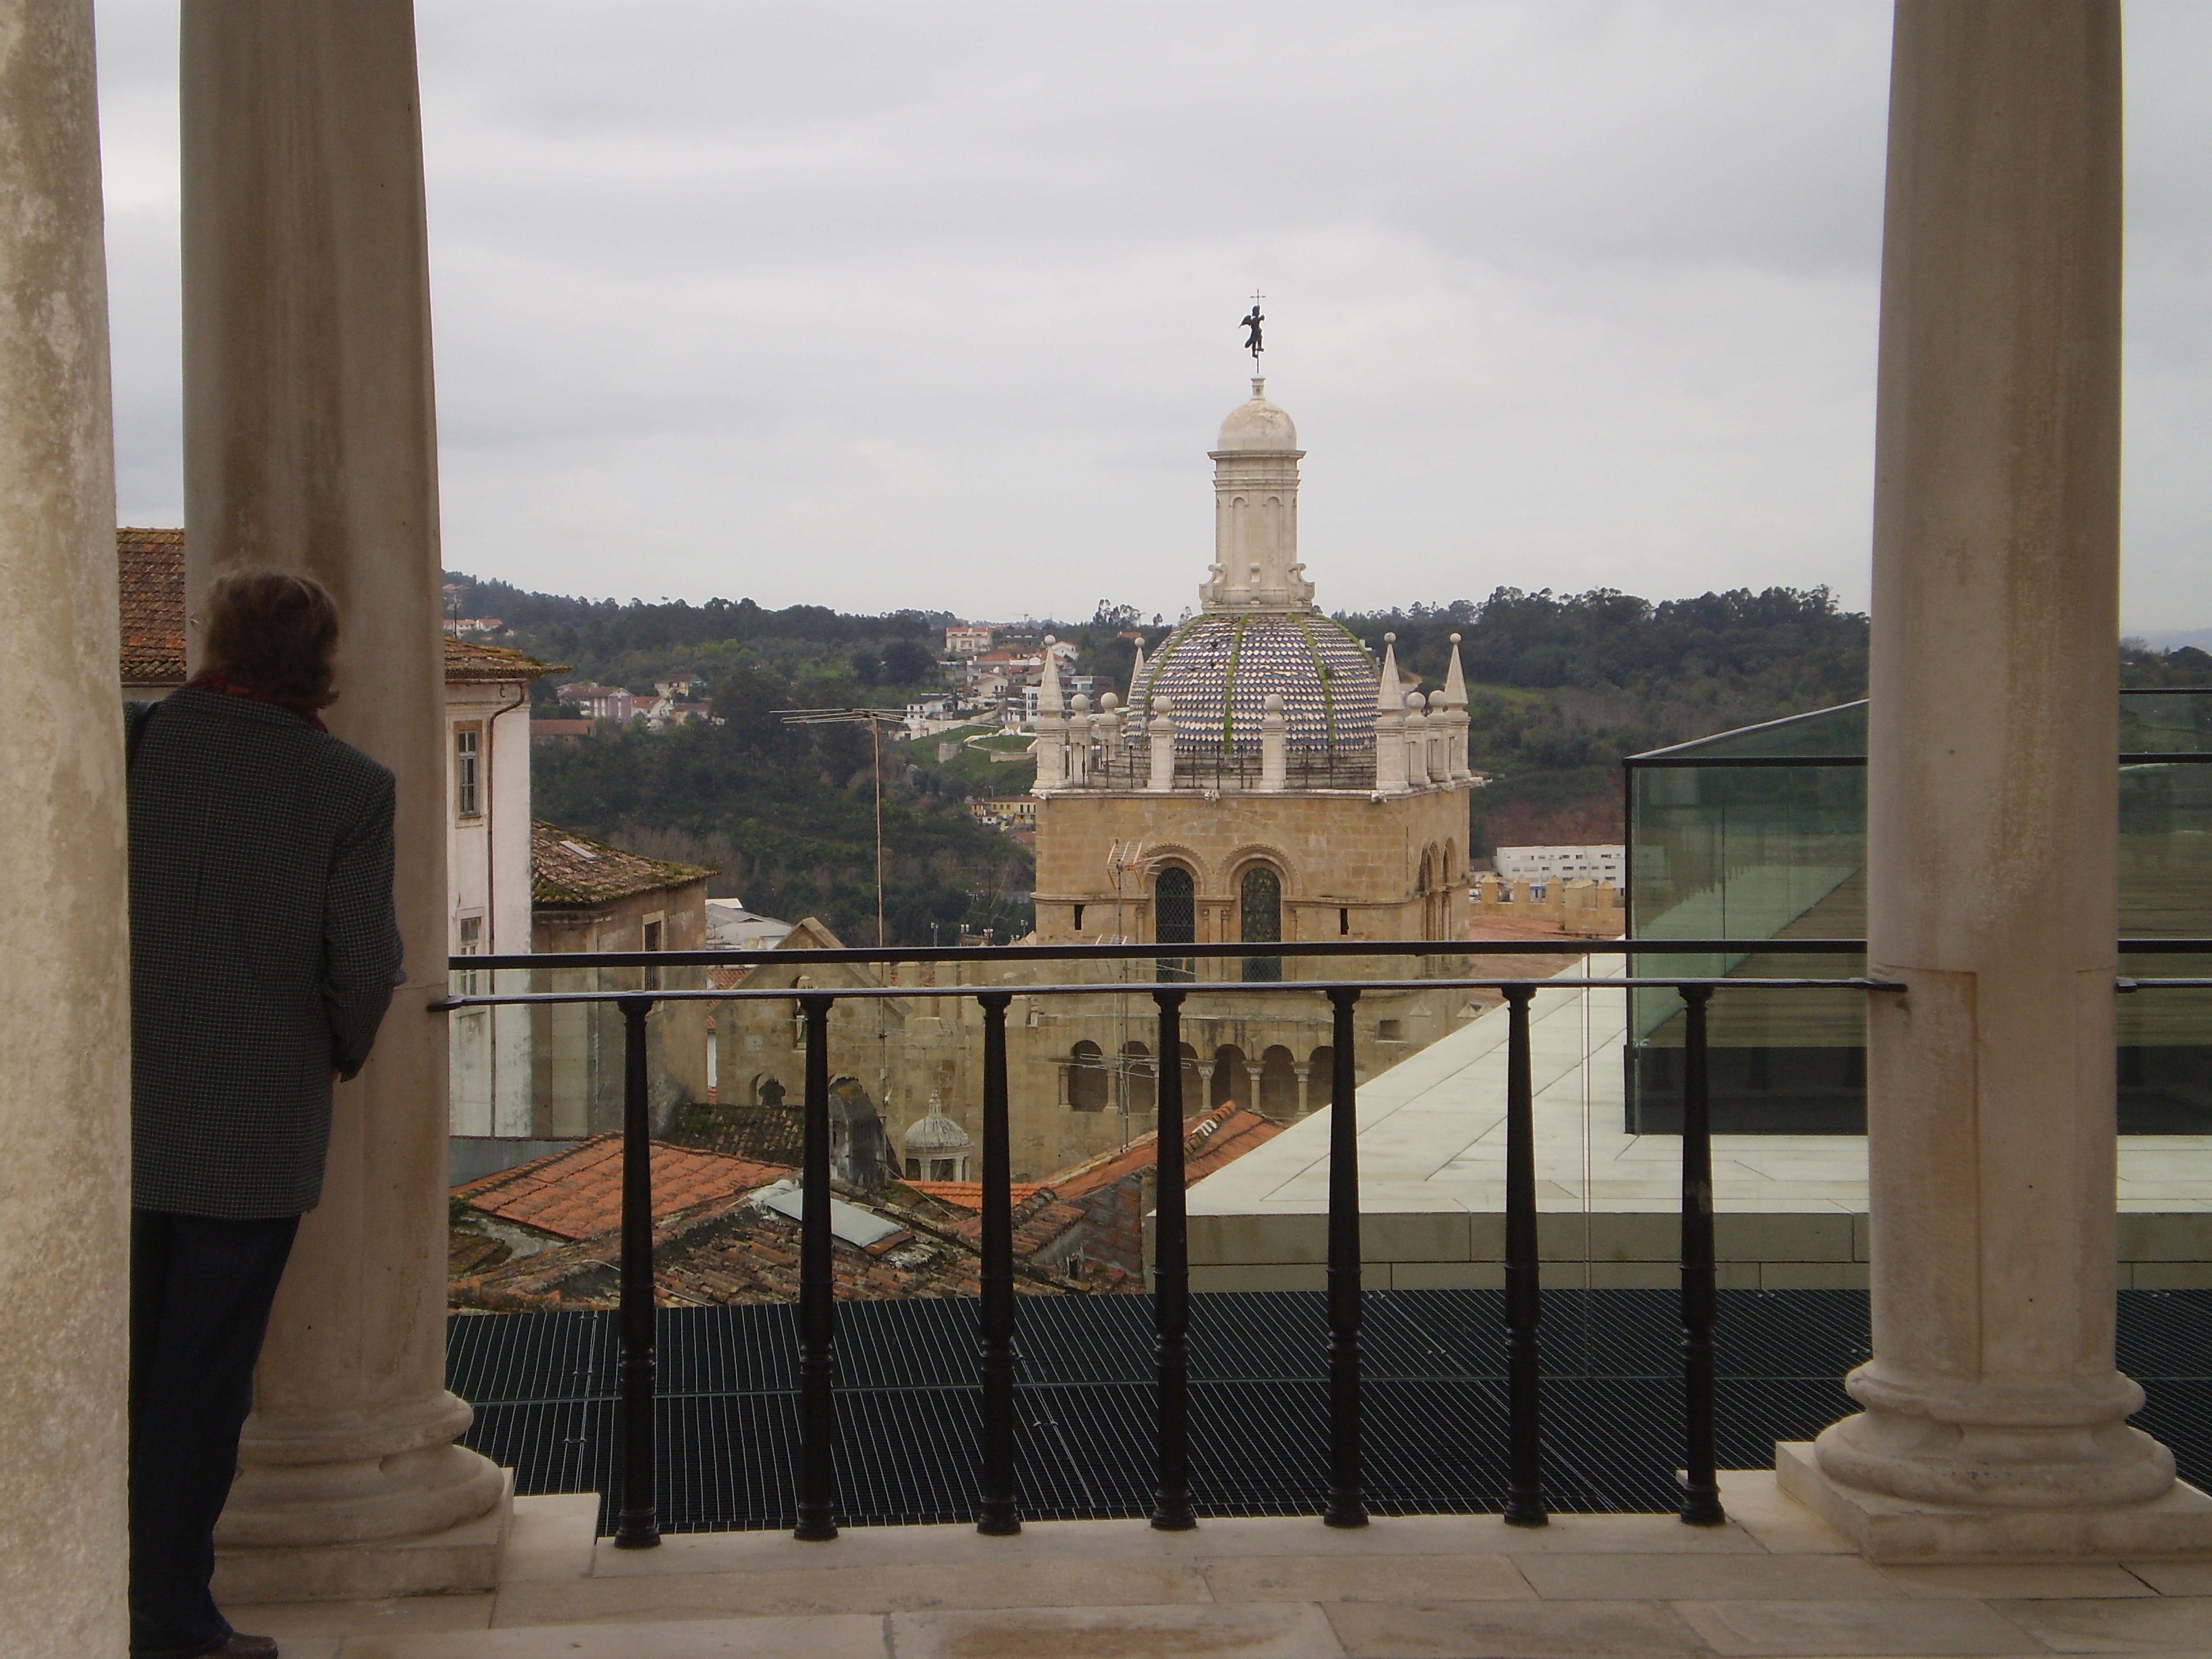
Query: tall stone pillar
{"points": [[64, 1037], [1994, 1419], [309, 443]]}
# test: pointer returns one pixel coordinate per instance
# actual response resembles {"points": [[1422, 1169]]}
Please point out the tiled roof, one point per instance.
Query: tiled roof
{"points": [[570, 870], [768, 1134], [1221, 1136], [577, 1194], [472, 661], [149, 568], [1041, 1218], [969, 1194], [732, 1251]]}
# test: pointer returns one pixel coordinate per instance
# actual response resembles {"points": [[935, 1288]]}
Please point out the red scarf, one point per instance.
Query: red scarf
{"points": [[214, 679]]}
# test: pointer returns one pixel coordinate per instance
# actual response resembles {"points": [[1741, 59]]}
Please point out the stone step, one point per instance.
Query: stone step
{"points": [[1774, 1581]]}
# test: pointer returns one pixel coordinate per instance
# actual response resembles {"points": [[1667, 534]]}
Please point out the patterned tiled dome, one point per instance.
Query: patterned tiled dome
{"points": [[1220, 669]]}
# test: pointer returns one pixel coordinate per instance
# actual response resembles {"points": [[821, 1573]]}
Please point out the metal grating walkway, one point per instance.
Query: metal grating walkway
{"points": [[908, 1416]]}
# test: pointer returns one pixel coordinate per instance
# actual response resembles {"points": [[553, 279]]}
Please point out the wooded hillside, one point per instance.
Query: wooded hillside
{"points": [[1560, 687]]}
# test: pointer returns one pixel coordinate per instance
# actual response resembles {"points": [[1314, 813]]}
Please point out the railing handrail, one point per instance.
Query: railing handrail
{"points": [[1564, 945], [1141, 949], [1218, 987], [999, 1509]]}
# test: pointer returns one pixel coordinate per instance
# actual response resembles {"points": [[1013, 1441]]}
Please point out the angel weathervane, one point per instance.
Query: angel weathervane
{"points": [[1251, 325]]}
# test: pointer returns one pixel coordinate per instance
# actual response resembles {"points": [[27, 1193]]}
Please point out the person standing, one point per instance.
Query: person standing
{"points": [[264, 951]]}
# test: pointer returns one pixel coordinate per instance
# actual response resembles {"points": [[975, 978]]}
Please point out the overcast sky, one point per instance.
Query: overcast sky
{"points": [[931, 302]]}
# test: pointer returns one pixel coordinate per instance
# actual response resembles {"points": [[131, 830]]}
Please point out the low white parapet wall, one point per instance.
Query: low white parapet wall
{"points": [[1791, 1209]]}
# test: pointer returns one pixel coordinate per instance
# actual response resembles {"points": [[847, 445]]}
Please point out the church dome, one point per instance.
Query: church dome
{"points": [[1220, 669], [935, 1133], [1258, 425]]}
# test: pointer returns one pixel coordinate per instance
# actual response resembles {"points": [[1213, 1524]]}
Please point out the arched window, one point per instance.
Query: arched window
{"points": [[769, 1092], [1231, 1079], [1137, 1066], [1175, 917], [1279, 1083], [1321, 1078], [1086, 1078], [1259, 904]]}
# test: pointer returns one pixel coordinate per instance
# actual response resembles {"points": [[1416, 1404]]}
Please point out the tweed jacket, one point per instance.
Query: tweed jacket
{"points": [[264, 948]]}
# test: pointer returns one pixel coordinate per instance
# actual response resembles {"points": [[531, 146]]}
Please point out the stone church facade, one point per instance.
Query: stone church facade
{"points": [[1271, 779]]}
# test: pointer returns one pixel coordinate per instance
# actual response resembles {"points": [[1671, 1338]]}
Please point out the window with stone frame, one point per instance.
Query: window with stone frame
{"points": [[468, 779]]}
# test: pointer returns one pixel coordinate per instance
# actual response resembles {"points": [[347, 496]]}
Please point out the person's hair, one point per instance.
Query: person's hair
{"points": [[276, 631]]}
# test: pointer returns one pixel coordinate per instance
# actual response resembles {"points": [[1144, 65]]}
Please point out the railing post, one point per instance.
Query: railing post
{"points": [[636, 1526], [998, 1513], [1347, 1503], [1171, 1279], [1524, 1502], [1701, 1495], [818, 1303]]}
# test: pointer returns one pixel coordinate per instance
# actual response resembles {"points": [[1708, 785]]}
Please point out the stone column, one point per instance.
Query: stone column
{"points": [[64, 1038], [309, 442], [1994, 1422]]}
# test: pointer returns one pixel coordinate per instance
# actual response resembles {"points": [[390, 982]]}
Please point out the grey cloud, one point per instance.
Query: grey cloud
{"points": [[894, 303]]}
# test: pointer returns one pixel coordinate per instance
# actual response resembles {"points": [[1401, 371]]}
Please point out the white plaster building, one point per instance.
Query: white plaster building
{"points": [[487, 880], [1607, 862]]}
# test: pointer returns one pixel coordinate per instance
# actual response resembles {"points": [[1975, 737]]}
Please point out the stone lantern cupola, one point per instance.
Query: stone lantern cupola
{"points": [[936, 1147], [1255, 513]]}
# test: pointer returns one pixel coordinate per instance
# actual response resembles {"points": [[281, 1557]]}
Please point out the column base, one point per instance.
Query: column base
{"points": [[1884, 1529], [459, 1560]]}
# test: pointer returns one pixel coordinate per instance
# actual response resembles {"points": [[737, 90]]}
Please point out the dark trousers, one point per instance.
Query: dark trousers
{"points": [[200, 1290]]}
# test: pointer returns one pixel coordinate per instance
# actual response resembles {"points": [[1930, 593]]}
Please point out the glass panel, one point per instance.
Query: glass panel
{"points": [[1750, 852], [1725, 850], [1838, 731], [2165, 892], [2165, 722]]}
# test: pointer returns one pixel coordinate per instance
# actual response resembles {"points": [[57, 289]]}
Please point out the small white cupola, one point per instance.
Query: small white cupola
{"points": [[936, 1147]]}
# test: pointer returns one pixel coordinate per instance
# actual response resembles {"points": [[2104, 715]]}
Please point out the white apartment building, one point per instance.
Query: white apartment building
{"points": [[1605, 861]]}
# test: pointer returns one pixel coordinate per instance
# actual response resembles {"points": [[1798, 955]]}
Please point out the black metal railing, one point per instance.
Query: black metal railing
{"points": [[1239, 770], [1343, 1504]]}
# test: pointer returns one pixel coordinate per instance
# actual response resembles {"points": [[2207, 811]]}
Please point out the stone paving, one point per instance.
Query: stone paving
{"points": [[1774, 1582]]}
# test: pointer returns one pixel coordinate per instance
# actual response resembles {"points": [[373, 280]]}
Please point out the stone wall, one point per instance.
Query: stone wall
{"points": [[1589, 910]]}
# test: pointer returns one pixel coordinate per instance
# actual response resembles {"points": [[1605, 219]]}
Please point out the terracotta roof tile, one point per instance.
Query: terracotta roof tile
{"points": [[577, 1193], [1221, 1136], [149, 567], [473, 661], [969, 1194], [733, 1251], [572, 871]]}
